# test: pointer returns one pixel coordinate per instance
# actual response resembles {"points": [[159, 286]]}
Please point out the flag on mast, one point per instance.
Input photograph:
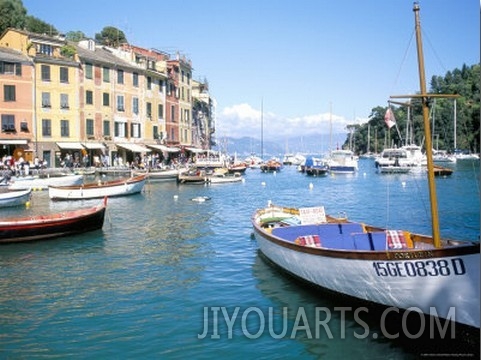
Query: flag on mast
{"points": [[389, 118]]}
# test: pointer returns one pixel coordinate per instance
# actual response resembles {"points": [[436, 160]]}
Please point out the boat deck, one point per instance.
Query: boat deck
{"points": [[344, 236]]}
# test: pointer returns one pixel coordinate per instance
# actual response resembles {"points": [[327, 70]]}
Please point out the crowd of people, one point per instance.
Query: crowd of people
{"points": [[20, 166]]}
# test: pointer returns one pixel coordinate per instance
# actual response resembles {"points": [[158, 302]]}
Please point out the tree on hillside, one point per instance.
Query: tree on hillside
{"points": [[38, 26], [75, 36], [463, 82], [111, 36], [12, 14]]}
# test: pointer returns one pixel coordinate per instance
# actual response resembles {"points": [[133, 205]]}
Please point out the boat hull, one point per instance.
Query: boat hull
{"points": [[163, 175], [94, 191], [42, 183], [52, 226], [388, 169], [15, 198], [226, 179], [339, 169], [433, 281], [314, 171]]}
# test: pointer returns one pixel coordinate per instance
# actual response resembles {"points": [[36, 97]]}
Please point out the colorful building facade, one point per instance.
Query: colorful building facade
{"points": [[93, 103]]}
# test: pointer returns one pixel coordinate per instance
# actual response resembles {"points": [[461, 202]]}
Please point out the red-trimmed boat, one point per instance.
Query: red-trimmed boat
{"points": [[52, 225]]}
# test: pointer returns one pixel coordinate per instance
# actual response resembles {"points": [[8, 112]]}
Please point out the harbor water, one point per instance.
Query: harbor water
{"points": [[172, 278]]}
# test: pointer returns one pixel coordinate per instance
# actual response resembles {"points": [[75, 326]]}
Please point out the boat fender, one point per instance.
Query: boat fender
{"points": [[407, 238]]}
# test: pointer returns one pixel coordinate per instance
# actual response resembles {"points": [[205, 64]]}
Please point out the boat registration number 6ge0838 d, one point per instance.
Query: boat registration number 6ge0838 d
{"points": [[421, 268]]}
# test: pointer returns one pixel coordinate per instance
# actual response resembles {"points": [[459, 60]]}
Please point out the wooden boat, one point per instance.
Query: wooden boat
{"points": [[52, 225], [100, 189], [43, 182], [442, 171], [390, 267], [160, 174], [225, 178], [237, 168], [272, 165], [194, 176], [14, 197]]}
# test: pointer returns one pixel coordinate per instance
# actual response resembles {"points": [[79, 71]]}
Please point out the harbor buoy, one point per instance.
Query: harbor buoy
{"points": [[263, 183], [311, 186], [176, 197], [200, 198]]}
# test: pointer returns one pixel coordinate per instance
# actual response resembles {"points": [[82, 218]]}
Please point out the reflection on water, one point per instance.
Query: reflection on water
{"points": [[327, 323], [138, 287]]}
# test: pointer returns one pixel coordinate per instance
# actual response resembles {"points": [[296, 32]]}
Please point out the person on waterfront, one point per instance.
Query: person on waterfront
{"points": [[96, 161], [105, 160], [86, 160], [67, 161], [36, 163], [19, 166]]}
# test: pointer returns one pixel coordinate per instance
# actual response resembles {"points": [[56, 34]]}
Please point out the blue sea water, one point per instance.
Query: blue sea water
{"points": [[165, 268]]}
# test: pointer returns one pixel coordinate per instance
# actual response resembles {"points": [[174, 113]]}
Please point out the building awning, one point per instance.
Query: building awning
{"points": [[94, 146], [195, 150], [70, 145], [134, 148], [13, 142], [164, 148]]}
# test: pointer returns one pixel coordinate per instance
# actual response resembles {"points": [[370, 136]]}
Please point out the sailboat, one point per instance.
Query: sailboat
{"points": [[390, 267]]}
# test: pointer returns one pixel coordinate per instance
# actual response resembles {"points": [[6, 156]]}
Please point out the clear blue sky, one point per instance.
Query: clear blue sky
{"points": [[298, 58]]}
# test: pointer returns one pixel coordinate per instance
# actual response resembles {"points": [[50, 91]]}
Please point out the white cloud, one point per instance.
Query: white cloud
{"points": [[244, 120]]}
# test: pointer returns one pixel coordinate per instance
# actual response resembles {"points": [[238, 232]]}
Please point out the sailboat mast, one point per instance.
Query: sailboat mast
{"points": [[262, 129], [455, 112], [330, 127], [368, 138], [427, 131]]}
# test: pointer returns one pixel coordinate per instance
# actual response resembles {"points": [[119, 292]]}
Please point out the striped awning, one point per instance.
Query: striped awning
{"points": [[164, 148], [195, 150], [70, 145], [94, 146], [134, 148]]}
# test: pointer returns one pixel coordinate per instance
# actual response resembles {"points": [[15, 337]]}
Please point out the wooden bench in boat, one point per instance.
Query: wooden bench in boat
{"points": [[344, 236]]}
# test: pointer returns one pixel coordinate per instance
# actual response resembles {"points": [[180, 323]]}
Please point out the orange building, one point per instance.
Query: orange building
{"points": [[16, 103]]}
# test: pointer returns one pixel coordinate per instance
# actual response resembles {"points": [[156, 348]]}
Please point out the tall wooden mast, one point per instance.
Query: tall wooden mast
{"points": [[425, 100], [427, 131]]}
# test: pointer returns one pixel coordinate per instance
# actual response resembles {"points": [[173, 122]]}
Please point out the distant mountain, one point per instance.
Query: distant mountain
{"points": [[308, 144]]}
